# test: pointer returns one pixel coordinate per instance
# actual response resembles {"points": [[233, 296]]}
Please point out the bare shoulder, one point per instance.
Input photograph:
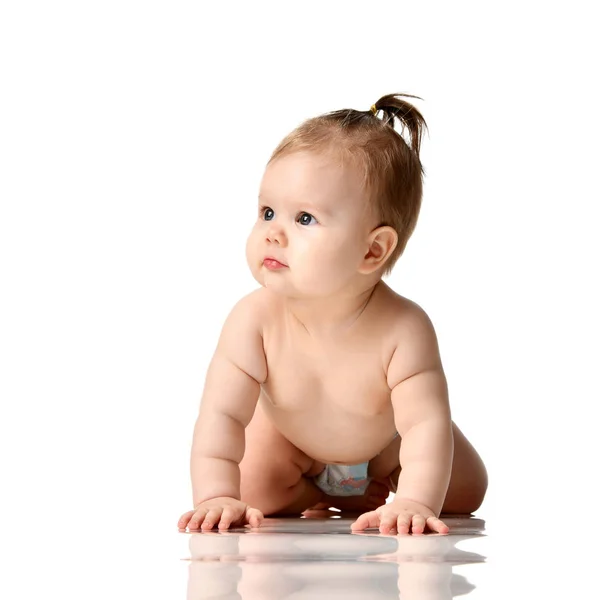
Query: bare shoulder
{"points": [[255, 305], [241, 338], [414, 338]]}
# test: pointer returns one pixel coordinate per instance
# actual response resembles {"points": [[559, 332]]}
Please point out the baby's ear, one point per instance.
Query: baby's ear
{"points": [[382, 242]]}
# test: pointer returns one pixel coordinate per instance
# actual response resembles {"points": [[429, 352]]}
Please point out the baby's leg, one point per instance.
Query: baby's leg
{"points": [[275, 475], [468, 479]]}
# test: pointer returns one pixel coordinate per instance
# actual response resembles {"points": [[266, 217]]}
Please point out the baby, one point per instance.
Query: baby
{"points": [[326, 388]]}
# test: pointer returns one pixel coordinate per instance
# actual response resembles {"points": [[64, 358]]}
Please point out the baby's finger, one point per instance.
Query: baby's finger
{"points": [[254, 517], [403, 523], [197, 519], [211, 518], [366, 521], [227, 517], [185, 519], [418, 524], [436, 525], [387, 523]]}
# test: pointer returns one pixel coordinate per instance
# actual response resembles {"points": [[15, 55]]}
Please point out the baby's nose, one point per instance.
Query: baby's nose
{"points": [[275, 234]]}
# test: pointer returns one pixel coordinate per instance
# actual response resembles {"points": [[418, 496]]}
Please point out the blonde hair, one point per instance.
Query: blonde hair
{"points": [[391, 168]]}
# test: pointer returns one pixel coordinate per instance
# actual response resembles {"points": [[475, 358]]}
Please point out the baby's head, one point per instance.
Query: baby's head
{"points": [[339, 200]]}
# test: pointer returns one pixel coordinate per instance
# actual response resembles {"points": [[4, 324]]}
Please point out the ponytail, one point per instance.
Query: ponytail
{"points": [[410, 118]]}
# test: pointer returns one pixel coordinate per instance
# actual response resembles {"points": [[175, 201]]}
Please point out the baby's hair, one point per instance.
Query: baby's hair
{"points": [[390, 167]]}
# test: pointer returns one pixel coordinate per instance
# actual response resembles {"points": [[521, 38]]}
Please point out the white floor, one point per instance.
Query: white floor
{"points": [[100, 554], [313, 558], [318, 558]]}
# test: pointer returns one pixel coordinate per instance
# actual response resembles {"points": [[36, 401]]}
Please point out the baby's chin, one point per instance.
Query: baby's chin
{"points": [[268, 280], [276, 282], [283, 283]]}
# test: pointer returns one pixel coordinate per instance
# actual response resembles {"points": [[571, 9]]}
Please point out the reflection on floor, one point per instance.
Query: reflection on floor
{"points": [[319, 558]]}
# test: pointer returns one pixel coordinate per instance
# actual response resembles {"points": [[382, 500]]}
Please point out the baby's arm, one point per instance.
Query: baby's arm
{"points": [[422, 413], [228, 402]]}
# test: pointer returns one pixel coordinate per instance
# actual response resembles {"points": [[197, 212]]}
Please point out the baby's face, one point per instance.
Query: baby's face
{"points": [[312, 217]]}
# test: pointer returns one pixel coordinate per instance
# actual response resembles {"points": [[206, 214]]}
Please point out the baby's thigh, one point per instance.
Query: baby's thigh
{"points": [[270, 459]]}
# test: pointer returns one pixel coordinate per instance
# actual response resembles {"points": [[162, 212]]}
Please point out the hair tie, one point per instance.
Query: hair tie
{"points": [[374, 109]]}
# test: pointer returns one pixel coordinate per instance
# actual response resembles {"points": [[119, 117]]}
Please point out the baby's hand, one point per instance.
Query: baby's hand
{"points": [[400, 514], [221, 511]]}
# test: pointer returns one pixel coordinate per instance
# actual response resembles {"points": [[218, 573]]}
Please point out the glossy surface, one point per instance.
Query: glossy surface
{"points": [[99, 552], [319, 558]]}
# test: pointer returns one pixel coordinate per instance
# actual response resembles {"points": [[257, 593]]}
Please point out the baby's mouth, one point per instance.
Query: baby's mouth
{"points": [[272, 263]]}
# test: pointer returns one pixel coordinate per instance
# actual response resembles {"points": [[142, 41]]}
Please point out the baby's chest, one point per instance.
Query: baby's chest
{"points": [[351, 381]]}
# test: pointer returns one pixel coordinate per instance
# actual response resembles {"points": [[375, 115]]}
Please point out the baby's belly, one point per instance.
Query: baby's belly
{"points": [[330, 435]]}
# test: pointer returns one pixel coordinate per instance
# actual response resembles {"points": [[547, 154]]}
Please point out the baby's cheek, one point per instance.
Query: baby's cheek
{"points": [[331, 270], [341, 260], [252, 259]]}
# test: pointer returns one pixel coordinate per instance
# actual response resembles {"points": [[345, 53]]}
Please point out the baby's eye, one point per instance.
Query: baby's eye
{"points": [[268, 213], [303, 220], [264, 210]]}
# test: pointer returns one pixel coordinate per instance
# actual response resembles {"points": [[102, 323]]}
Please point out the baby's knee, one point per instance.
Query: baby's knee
{"points": [[382, 467], [273, 474], [275, 495]]}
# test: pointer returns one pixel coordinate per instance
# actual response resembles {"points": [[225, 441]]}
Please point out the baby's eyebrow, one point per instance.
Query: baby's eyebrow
{"points": [[305, 205]]}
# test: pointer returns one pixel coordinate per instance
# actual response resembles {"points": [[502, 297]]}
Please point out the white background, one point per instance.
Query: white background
{"points": [[133, 136]]}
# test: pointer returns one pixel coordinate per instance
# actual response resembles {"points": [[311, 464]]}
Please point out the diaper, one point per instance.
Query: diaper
{"points": [[343, 480]]}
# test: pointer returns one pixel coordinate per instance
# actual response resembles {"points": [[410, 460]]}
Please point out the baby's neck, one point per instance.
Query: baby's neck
{"points": [[326, 318]]}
